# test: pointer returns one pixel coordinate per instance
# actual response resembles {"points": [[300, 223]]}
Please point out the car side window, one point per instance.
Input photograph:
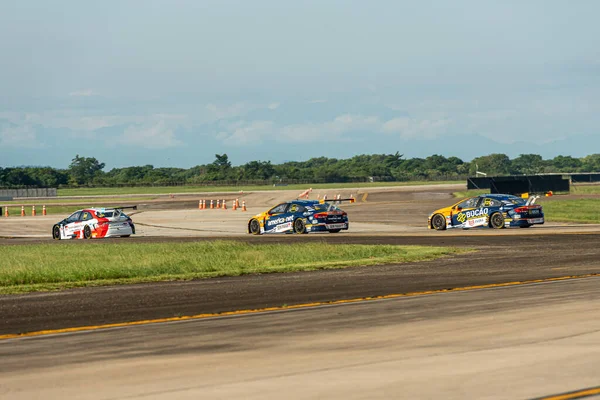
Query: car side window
{"points": [[280, 209], [469, 203], [74, 217], [296, 208], [487, 202], [86, 216]]}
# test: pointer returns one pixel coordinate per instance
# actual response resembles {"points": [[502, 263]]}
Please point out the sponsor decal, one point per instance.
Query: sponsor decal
{"points": [[464, 216], [283, 227], [280, 220], [472, 223]]}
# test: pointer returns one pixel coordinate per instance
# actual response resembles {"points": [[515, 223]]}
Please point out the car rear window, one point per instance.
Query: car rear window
{"points": [[516, 201], [325, 207]]}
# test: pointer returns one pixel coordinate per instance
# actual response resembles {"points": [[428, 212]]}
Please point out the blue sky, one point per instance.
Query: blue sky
{"points": [[172, 83]]}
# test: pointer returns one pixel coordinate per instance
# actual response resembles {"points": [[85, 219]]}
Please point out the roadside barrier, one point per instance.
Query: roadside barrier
{"points": [[33, 213], [44, 210]]}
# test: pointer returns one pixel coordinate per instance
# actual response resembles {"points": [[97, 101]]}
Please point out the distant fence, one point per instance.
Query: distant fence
{"points": [[28, 192], [517, 184], [593, 177]]}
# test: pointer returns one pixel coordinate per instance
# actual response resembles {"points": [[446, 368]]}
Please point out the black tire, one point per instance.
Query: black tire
{"points": [[56, 232], [87, 232], [497, 221], [299, 226], [334, 230], [254, 227], [438, 222]]}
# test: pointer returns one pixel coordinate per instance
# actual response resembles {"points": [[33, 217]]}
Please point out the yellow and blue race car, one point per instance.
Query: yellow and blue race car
{"points": [[488, 210], [301, 216]]}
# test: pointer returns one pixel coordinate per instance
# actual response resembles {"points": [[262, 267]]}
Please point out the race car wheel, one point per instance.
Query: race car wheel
{"points": [[56, 232], [299, 226], [497, 221], [438, 222], [254, 227], [334, 230], [87, 232]]}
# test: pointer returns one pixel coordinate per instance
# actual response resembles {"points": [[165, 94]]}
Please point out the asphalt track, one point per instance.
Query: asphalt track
{"points": [[523, 340]]}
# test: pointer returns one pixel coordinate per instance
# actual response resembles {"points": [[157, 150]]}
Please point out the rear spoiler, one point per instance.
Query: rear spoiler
{"points": [[323, 201], [125, 207]]}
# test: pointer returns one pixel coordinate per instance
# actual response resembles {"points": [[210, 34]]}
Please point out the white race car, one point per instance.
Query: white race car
{"points": [[92, 223]]}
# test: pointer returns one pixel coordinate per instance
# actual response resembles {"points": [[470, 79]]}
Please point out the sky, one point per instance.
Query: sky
{"points": [[171, 83]]}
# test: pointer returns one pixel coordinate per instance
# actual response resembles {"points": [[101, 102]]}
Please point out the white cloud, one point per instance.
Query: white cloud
{"points": [[241, 132], [317, 101], [23, 136], [150, 136], [273, 106], [414, 128], [83, 93]]}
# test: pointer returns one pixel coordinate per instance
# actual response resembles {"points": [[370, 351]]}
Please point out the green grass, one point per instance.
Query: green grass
{"points": [[249, 188], [585, 189], [56, 266], [575, 210]]}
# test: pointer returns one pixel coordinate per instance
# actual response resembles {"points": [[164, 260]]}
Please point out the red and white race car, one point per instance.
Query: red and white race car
{"points": [[92, 223]]}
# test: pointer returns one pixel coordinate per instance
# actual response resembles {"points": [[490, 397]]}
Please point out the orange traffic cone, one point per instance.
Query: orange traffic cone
{"points": [[212, 205], [6, 212], [244, 205], [43, 210], [224, 205], [218, 203], [199, 204], [22, 211], [234, 206], [325, 196], [33, 213]]}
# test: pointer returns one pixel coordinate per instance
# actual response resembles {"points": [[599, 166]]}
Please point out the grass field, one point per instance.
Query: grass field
{"points": [[573, 210], [211, 189], [53, 267]]}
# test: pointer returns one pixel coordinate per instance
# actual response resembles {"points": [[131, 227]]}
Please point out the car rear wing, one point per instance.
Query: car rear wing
{"points": [[323, 201], [126, 207]]}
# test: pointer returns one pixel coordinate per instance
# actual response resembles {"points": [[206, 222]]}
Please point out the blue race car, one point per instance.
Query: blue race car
{"points": [[488, 210], [300, 216]]}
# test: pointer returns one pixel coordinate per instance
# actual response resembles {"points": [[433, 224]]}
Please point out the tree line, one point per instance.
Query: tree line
{"points": [[88, 171]]}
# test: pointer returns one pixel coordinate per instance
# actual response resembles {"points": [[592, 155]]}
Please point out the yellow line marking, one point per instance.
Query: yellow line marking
{"points": [[574, 395], [364, 198], [291, 307]]}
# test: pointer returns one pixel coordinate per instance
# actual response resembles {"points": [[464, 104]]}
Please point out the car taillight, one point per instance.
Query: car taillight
{"points": [[320, 215], [525, 209]]}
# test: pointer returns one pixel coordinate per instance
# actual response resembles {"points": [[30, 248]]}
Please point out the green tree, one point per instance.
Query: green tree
{"points": [[527, 164], [83, 170], [492, 164]]}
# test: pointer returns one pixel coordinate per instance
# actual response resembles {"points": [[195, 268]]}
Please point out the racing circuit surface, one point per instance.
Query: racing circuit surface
{"points": [[538, 335]]}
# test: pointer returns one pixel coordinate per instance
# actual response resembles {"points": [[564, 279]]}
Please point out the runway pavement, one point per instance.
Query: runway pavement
{"points": [[506, 343]]}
